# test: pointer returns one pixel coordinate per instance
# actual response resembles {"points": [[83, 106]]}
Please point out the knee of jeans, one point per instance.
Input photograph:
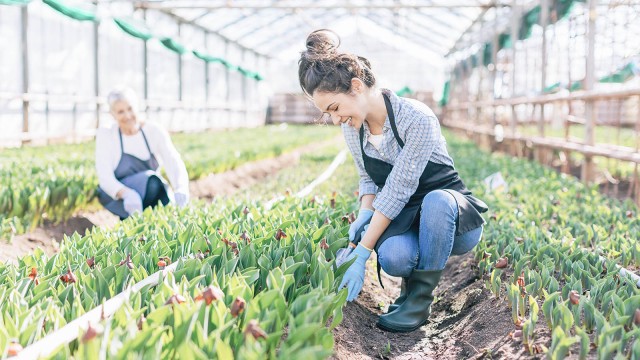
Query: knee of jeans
{"points": [[467, 242], [154, 185], [439, 203], [397, 263]]}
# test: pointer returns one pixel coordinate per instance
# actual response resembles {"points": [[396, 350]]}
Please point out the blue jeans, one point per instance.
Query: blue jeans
{"points": [[429, 247]]}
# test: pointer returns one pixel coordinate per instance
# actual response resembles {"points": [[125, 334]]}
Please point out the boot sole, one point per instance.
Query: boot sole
{"points": [[390, 328]]}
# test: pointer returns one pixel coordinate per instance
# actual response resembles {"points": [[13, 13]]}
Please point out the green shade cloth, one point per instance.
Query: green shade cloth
{"points": [[474, 61], [206, 57], [445, 94], [173, 45], [212, 59], [563, 8], [504, 41], [134, 28], [228, 65], [404, 91], [14, 2], [487, 54], [86, 12], [577, 85], [250, 74], [532, 17], [244, 71], [626, 73], [552, 88]]}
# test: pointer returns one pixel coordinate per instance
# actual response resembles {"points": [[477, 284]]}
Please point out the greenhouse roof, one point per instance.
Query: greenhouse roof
{"points": [[277, 28]]}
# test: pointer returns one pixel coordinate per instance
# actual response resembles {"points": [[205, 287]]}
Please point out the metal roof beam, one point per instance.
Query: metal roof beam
{"points": [[421, 42], [258, 28], [437, 39], [236, 21], [204, 4], [457, 42], [288, 39], [305, 21], [210, 31]]}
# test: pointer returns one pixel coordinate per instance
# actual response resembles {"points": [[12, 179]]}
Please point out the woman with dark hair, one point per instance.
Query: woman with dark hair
{"points": [[128, 157], [415, 211]]}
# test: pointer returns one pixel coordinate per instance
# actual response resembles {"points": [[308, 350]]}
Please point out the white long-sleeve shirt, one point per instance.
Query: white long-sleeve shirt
{"points": [[108, 156]]}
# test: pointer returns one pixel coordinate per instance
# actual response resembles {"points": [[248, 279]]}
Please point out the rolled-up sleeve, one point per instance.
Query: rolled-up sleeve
{"points": [[106, 149], [176, 170], [366, 185], [420, 141]]}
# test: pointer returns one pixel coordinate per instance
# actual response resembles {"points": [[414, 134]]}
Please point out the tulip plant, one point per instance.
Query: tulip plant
{"points": [[53, 182], [280, 273], [552, 243]]}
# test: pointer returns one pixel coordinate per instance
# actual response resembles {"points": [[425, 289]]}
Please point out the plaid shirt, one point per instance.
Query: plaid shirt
{"points": [[419, 128]]}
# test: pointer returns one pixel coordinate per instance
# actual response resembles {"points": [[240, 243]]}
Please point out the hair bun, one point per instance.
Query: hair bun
{"points": [[322, 42]]}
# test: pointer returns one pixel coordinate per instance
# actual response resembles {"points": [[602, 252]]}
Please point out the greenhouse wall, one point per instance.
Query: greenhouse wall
{"points": [[62, 102]]}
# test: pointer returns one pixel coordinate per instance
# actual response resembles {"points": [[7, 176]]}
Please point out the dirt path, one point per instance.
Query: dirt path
{"points": [[48, 236], [467, 322], [244, 176]]}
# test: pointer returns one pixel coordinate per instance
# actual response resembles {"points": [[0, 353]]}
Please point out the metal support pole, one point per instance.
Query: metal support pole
{"points": [[96, 69], [207, 82], [544, 20], [25, 70], [245, 100], [515, 22], [179, 69], [494, 73], [145, 70], [227, 79], [590, 115]]}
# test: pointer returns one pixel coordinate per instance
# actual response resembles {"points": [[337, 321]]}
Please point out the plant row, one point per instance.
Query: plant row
{"points": [[550, 249], [55, 181], [225, 245]]}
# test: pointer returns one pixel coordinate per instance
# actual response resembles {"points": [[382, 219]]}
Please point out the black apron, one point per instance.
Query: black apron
{"points": [[133, 173], [434, 177]]}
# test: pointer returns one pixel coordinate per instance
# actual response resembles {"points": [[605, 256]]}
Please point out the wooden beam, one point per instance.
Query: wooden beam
{"points": [[542, 99], [618, 152]]}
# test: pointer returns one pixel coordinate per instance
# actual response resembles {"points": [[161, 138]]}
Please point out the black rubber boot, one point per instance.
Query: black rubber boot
{"points": [[415, 310], [401, 298]]}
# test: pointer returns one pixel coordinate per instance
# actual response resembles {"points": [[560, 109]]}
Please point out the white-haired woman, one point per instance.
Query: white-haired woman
{"points": [[128, 157]]}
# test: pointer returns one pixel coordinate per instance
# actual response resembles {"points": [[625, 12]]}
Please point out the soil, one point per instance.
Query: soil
{"points": [[467, 322], [242, 177]]}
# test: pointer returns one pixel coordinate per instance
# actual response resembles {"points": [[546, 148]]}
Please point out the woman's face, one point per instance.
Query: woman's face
{"points": [[124, 114], [349, 108]]}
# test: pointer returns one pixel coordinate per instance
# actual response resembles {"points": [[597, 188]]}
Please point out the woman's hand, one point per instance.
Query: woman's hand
{"points": [[132, 201], [181, 199], [364, 217], [354, 277]]}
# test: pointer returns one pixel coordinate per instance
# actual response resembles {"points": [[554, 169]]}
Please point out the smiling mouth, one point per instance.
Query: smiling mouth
{"points": [[348, 121]]}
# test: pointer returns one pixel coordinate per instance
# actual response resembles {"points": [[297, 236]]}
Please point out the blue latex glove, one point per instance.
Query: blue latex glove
{"points": [[353, 279], [181, 199], [342, 255], [364, 218]]}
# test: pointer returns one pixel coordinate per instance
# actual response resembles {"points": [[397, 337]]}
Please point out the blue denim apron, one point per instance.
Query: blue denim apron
{"points": [[134, 174], [434, 177]]}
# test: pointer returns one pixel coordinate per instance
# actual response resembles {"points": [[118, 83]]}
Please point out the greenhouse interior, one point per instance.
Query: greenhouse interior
{"points": [[357, 179]]}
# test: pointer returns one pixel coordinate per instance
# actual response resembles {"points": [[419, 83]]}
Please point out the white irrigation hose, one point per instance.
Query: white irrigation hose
{"points": [[337, 161], [623, 271], [70, 332]]}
